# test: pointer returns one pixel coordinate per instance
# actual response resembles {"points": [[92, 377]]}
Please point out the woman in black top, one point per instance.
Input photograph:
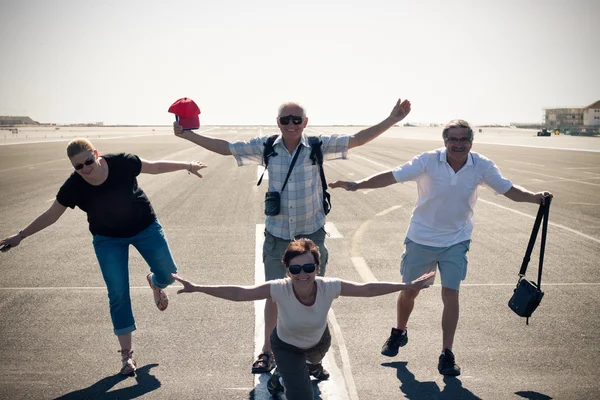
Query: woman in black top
{"points": [[119, 214]]}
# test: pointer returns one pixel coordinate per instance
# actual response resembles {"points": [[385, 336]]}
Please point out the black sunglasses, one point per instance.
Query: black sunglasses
{"points": [[308, 268], [286, 120], [85, 163]]}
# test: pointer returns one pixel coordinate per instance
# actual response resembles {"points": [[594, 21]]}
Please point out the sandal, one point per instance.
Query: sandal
{"points": [[265, 362], [160, 296]]}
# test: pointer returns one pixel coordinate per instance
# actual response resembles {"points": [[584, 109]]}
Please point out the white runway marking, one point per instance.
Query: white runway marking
{"points": [[33, 141], [561, 179], [371, 161], [526, 163], [549, 222], [590, 167], [332, 231]]}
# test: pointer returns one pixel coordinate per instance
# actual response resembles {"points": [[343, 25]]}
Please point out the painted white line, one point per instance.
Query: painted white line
{"points": [[352, 393], [526, 163], [590, 167], [584, 204], [34, 165], [389, 210], [549, 222], [560, 178], [83, 134], [360, 265], [371, 161], [260, 380], [332, 231]]}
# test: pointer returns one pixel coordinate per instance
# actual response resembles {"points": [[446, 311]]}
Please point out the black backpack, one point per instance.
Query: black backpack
{"points": [[316, 155]]}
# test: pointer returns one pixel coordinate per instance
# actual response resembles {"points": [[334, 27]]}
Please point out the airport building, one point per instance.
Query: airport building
{"points": [[568, 118]]}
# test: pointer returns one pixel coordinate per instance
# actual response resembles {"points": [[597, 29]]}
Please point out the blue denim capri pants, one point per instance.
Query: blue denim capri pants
{"points": [[113, 257]]}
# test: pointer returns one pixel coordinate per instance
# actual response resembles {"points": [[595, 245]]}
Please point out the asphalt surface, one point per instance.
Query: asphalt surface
{"points": [[56, 338]]}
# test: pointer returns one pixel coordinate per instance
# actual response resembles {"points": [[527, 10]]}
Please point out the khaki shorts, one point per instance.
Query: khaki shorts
{"points": [[419, 259], [274, 247]]}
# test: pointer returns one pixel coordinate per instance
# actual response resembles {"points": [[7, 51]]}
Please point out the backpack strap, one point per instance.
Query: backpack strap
{"points": [[268, 152], [316, 155]]}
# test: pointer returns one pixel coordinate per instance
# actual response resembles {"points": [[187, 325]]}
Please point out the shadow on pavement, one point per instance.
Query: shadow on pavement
{"points": [[99, 390], [262, 383], [413, 389], [527, 394]]}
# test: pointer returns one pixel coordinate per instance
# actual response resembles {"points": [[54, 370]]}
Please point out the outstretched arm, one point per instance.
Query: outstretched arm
{"points": [[46, 219], [520, 194], [373, 289], [227, 292], [376, 181], [399, 112], [161, 167], [215, 145]]}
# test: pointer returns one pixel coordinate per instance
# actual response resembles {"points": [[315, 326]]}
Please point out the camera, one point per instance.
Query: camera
{"points": [[272, 203]]}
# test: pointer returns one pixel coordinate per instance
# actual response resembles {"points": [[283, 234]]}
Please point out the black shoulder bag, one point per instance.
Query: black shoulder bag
{"points": [[528, 295]]}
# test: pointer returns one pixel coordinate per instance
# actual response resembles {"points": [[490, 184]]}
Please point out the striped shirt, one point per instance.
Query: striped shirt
{"points": [[302, 200]]}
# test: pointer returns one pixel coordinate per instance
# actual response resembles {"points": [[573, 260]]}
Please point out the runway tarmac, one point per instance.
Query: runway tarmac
{"points": [[56, 338]]}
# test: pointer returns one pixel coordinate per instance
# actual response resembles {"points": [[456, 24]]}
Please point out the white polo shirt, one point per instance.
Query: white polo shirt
{"points": [[443, 213]]}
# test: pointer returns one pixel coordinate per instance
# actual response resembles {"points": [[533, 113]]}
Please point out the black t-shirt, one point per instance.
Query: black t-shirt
{"points": [[117, 207]]}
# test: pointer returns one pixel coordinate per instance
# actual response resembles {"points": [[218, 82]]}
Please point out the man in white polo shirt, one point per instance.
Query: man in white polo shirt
{"points": [[440, 228]]}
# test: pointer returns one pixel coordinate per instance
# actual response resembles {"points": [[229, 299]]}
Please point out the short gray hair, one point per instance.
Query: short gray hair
{"points": [[291, 104], [457, 123]]}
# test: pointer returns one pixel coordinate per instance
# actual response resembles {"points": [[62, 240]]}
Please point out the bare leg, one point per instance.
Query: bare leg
{"points": [[404, 307], [449, 316], [125, 341]]}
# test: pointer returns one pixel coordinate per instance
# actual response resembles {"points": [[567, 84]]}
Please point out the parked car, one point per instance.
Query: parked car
{"points": [[544, 132]]}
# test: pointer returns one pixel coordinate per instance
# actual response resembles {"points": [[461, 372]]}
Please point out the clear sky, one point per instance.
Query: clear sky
{"points": [[126, 61]]}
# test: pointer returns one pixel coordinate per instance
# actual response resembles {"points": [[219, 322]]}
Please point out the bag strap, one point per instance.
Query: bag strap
{"points": [[268, 152], [543, 242], [542, 215], [316, 155], [291, 166]]}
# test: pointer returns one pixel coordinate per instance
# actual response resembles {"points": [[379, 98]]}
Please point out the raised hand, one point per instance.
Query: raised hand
{"points": [[196, 166], [401, 110], [177, 129], [188, 287], [348, 185]]}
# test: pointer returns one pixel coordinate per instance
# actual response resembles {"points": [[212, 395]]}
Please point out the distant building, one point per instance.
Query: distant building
{"points": [[564, 118], [12, 121]]}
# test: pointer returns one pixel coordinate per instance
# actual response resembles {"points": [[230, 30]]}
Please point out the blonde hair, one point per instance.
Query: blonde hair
{"points": [[77, 146]]}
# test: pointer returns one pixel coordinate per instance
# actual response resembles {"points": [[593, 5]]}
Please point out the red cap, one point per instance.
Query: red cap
{"points": [[187, 113]]}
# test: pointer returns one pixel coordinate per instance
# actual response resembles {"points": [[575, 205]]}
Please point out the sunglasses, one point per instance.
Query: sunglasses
{"points": [[85, 163], [308, 268], [286, 120], [458, 140]]}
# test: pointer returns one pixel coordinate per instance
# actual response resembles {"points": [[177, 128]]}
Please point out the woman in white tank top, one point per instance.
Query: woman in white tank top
{"points": [[301, 338]]}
